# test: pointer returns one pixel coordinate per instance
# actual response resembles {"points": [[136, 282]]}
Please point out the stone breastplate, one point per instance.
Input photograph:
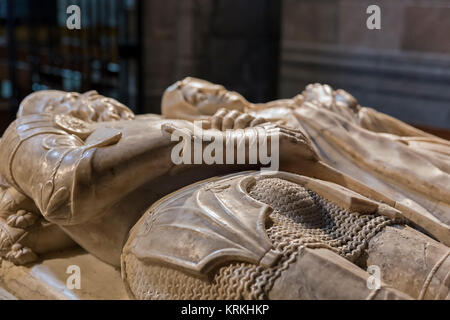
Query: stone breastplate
{"points": [[240, 232]]}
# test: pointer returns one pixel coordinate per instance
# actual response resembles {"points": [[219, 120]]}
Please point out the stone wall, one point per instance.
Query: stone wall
{"points": [[231, 42], [402, 69]]}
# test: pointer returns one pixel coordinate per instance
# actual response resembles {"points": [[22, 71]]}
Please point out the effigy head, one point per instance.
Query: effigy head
{"points": [[89, 106], [196, 97]]}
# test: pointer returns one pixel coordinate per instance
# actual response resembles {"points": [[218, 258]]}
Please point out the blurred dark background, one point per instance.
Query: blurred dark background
{"points": [[133, 49]]}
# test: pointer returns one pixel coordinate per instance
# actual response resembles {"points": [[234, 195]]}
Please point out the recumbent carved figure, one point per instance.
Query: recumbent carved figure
{"points": [[85, 166]]}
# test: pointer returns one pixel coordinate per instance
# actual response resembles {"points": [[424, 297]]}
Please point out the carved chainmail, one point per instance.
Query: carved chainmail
{"points": [[300, 218]]}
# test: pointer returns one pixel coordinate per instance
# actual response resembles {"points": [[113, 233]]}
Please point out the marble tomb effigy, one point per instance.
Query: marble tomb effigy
{"points": [[355, 189]]}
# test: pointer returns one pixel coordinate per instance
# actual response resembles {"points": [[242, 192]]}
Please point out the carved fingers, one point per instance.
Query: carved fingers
{"points": [[285, 142], [217, 119], [288, 133], [229, 119], [293, 142], [225, 119]]}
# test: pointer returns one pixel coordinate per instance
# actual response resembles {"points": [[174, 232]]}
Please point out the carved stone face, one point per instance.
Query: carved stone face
{"points": [[208, 97], [90, 106]]}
